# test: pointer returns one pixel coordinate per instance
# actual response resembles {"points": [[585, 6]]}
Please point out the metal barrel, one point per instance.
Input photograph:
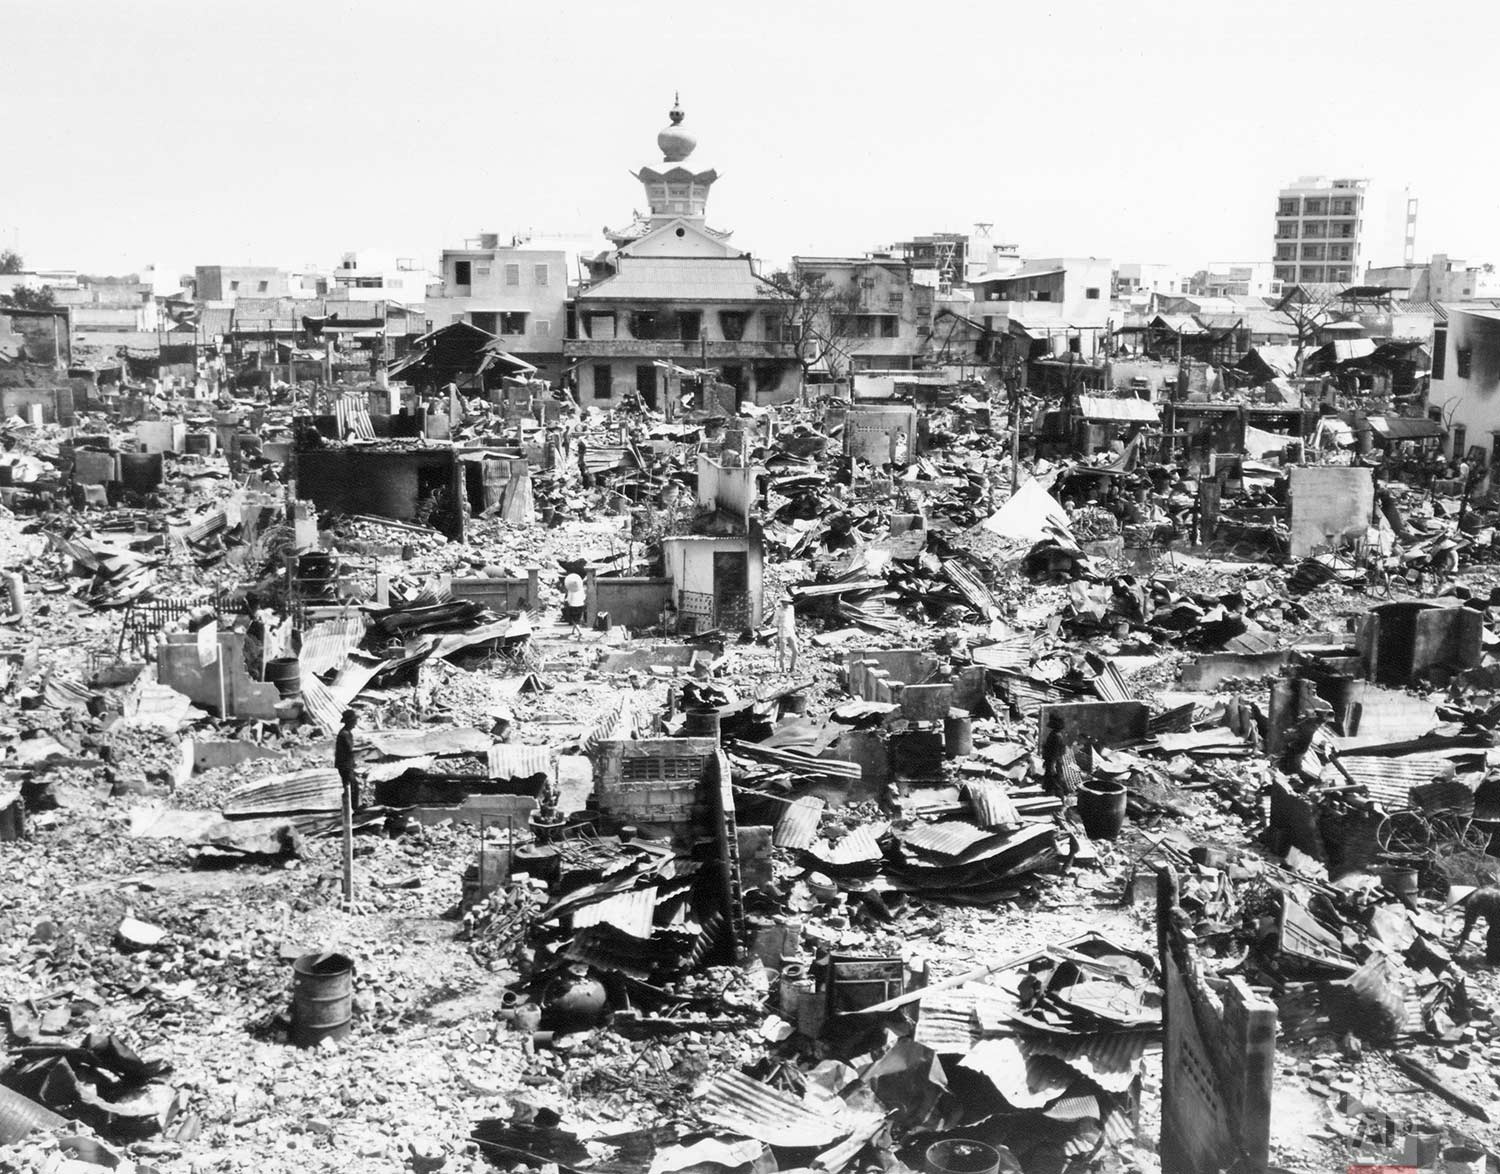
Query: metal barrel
{"points": [[20, 1116], [701, 723], [285, 672], [322, 997]]}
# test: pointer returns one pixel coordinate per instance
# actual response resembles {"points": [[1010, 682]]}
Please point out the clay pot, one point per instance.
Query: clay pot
{"points": [[575, 998]]}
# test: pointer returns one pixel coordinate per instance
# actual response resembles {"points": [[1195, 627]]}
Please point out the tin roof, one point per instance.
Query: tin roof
{"points": [[319, 789], [746, 1106]]}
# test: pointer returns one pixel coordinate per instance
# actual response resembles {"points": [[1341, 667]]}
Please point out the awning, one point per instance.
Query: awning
{"points": [[1100, 407], [1406, 428]]}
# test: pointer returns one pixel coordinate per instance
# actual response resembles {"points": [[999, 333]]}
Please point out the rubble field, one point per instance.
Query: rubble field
{"points": [[717, 800]]}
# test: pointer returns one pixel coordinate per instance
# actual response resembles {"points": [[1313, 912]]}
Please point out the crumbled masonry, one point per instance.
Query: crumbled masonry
{"points": [[1104, 797]]}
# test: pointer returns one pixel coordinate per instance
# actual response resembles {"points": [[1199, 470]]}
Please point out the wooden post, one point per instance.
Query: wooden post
{"points": [[348, 806]]}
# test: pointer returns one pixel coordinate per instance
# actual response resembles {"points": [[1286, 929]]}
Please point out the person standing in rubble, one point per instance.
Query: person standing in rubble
{"points": [[343, 758], [575, 603], [1054, 758], [786, 634]]}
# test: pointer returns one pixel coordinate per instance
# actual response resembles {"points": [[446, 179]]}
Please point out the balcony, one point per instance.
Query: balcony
{"points": [[666, 348]]}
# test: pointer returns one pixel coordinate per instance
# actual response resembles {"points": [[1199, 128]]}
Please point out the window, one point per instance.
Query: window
{"points": [[512, 275], [1092, 293], [1460, 439], [1286, 252], [643, 325], [539, 274], [1465, 356], [888, 326], [234, 285], [1287, 230], [1288, 207], [512, 322], [689, 325], [1312, 252], [772, 325], [481, 270], [543, 328], [1317, 207], [603, 381], [732, 324], [263, 286], [1312, 228], [486, 320], [600, 325], [368, 283], [1041, 295], [895, 299], [461, 273], [1439, 351]]}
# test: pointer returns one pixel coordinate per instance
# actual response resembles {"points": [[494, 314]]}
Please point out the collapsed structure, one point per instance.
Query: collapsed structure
{"points": [[1134, 744]]}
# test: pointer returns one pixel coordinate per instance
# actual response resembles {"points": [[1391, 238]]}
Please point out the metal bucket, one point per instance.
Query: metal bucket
{"points": [[1462, 1159], [322, 997], [956, 1156]]}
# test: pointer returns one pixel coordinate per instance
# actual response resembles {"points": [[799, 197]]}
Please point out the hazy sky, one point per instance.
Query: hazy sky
{"points": [[282, 132]]}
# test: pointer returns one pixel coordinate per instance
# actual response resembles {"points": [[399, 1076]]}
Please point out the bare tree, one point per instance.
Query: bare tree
{"points": [[817, 319], [1307, 309]]}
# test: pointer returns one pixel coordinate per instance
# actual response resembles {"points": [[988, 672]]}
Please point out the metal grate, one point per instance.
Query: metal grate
{"points": [[695, 611], [145, 620], [641, 768]]}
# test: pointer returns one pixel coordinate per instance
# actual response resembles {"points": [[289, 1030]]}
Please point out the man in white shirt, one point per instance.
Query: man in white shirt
{"points": [[786, 633]]}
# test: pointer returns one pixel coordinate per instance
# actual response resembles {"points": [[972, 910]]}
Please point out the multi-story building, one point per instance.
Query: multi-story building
{"points": [[1061, 301], [1465, 388], [883, 311], [517, 292], [1320, 227], [1133, 277], [675, 292], [226, 284], [367, 276]]}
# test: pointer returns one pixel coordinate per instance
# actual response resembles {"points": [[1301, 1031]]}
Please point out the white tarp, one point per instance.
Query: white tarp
{"points": [[1259, 442], [1029, 516]]}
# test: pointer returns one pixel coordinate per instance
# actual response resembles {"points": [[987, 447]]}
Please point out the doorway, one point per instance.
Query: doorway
{"points": [[732, 590]]}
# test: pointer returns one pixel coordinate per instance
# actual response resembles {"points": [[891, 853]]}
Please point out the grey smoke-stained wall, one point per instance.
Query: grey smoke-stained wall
{"points": [[1329, 500]]}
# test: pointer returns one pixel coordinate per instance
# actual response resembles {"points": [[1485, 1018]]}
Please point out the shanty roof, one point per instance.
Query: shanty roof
{"points": [[1178, 324], [1019, 275], [1406, 427], [682, 279], [1103, 407], [1280, 360]]}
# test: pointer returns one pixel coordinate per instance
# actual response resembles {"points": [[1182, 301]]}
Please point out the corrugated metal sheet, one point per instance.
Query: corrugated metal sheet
{"points": [[1110, 686], [750, 1108], [629, 912], [991, 804], [952, 838], [1028, 696], [1110, 1059], [326, 703], [1014, 653], [798, 826], [519, 762], [319, 789], [414, 743], [1025, 1082], [327, 645], [1390, 780], [947, 1024], [860, 846]]}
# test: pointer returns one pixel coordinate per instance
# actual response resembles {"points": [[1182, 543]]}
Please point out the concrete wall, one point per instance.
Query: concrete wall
{"points": [[385, 484], [57, 403], [726, 489], [631, 602], [223, 686], [869, 433], [43, 336], [1329, 500]]}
